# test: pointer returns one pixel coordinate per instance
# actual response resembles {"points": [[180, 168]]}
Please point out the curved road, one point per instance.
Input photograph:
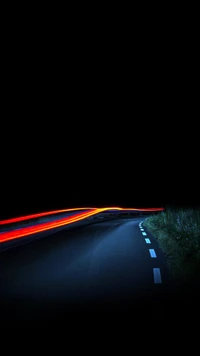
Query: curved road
{"points": [[108, 266]]}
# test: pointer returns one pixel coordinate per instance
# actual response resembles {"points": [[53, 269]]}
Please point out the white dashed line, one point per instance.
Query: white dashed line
{"points": [[156, 271], [157, 275], [152, 253]]}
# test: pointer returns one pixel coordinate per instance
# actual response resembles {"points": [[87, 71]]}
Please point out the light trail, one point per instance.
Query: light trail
{"points": [[41, 227], [53, 212], [38, 215]]}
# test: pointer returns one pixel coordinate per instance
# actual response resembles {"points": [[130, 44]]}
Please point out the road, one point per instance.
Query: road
{"points": [[111, 266]]}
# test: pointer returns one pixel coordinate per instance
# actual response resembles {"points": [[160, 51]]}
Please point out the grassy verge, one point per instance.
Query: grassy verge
{"points": [[177, 231]]}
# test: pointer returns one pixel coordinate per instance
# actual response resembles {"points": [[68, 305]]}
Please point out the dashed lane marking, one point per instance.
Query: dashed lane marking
{"points": [[152, 253], [157, 275]]}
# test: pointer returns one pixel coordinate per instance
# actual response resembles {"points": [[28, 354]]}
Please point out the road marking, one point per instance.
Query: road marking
{"points": [[152, 253], [143, 233], [147, 241], [141, 229], [157, 275]]}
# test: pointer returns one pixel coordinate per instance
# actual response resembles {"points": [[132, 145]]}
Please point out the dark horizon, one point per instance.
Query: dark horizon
{"points": [[19, 203], [92, 164], [37, 188]]}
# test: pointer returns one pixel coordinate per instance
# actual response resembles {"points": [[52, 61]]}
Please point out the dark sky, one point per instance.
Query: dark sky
{"points": [[93, 128], [61, 151], [91, 161]]}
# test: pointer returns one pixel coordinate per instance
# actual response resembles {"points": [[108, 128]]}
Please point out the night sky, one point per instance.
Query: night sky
{"points": [[63, 163], [91, 130], [85, 150]]}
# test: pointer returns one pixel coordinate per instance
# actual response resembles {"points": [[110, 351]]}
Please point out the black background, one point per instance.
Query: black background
{"points": [[93, 118]]}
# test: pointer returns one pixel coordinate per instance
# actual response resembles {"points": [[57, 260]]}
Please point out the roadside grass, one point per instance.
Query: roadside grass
{"points": [[177, 231]]}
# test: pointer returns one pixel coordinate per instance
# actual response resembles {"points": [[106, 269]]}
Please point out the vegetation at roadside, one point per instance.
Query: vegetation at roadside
{"points": [[177, 231]]}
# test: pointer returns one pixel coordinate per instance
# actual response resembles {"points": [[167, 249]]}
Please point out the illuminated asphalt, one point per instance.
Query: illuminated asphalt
{"points": [[108, 266]]}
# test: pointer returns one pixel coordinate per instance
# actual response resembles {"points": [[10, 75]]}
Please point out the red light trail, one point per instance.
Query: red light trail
{"points": [[41, 227]]}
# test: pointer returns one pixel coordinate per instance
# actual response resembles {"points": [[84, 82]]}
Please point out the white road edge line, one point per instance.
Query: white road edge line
{"points": [[147, 241], [144, 233], [157, 275]]}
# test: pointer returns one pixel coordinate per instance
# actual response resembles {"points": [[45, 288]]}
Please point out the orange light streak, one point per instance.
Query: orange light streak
{"points": [[41, 227]]}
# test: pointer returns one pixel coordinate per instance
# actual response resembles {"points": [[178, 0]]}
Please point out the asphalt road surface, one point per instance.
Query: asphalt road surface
{"points": [[111, 266]]}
